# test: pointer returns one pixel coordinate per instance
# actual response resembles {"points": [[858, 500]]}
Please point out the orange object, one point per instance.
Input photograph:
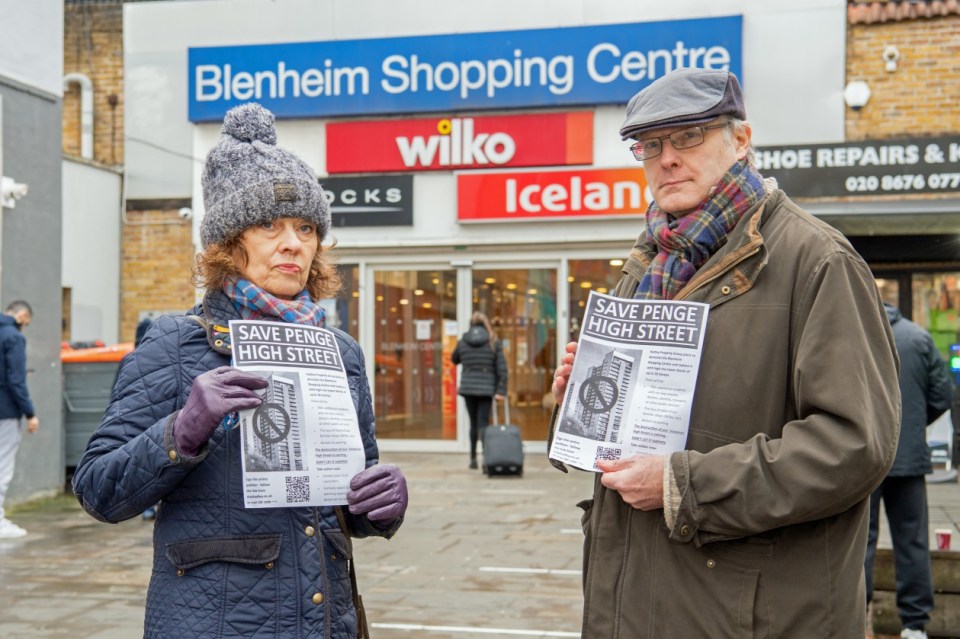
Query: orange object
{"points": [[113, 353]]}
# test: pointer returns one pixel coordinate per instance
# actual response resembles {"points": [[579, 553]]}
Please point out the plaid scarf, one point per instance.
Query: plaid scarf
{"points": [[255, 303], [684, 244]]}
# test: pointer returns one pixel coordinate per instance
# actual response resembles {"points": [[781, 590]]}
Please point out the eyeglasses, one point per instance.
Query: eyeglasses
{"points": [[683, 139]]}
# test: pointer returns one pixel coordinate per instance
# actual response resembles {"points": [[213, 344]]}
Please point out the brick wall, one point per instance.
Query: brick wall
{"points": [[93, 45], [922, 96], [156, 259], [157, 248]]}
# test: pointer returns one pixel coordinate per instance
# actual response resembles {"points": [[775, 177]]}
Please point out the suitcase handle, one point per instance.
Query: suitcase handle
{"points": [[506, 411]]}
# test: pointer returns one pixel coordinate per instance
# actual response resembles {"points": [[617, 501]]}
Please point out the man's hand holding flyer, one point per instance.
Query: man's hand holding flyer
{"points": [[633, 379], [302, 445]]}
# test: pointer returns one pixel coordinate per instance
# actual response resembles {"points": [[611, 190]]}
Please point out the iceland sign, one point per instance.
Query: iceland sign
{"points": [[465, 71]]}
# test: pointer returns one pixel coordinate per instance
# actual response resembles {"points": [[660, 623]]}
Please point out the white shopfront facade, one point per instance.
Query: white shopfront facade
{"points": [[480, 170]]}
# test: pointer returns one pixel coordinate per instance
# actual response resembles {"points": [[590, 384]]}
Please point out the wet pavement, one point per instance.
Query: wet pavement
{"points": [[476, 557]]}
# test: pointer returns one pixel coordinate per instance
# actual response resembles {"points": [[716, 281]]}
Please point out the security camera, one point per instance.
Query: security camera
{"points": [[891, 55], [11, 191], [185, 213]]}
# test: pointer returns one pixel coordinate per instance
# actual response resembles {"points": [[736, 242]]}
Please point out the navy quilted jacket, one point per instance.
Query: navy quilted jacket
{"points": [[14, 396], [219, 570]]}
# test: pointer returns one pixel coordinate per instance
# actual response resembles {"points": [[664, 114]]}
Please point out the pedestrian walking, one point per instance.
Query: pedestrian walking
{"points": [[483, 377], [758, 527], [926, 392], [221, 570], [15, 401]]}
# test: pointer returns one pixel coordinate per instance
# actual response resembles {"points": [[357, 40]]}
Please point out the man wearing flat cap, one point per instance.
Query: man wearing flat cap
{"points": [[758, 527]]}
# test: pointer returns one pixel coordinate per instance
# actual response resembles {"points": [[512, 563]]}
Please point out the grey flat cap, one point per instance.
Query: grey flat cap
{"points": [[684, 97], [248, 179]]}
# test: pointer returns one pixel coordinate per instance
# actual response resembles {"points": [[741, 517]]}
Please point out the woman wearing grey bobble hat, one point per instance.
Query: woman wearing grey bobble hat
{"points": [[221, 570]]}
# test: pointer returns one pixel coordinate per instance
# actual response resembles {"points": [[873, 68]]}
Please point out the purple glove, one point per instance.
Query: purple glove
{"points": [[214, 394], [381, 492]]}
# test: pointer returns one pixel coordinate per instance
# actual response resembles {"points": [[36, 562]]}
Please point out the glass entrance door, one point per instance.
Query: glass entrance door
{"points": [[522, 306], [415, 331]]}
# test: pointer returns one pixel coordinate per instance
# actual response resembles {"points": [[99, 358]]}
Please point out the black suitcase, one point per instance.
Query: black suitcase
{"points": [[502, 446]]}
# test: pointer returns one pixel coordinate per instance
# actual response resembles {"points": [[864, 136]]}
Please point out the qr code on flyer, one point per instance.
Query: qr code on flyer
{"points": [[606, 453], [298, 489]]}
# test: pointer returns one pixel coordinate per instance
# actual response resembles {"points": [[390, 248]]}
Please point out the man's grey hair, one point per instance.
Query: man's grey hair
{"points": [[18, 305], [729, 132]]}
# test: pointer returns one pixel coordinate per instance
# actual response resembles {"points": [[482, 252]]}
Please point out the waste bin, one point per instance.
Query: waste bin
{"points": [[88, 375]]}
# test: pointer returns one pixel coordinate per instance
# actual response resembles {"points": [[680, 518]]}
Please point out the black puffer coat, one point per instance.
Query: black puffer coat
{"points": [[925, 389], [484, 369]]}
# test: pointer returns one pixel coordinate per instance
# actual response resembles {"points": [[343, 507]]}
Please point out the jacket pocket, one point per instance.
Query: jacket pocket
{"points": [[751, 622], [339, 542], [247, 549], [763, 545]]}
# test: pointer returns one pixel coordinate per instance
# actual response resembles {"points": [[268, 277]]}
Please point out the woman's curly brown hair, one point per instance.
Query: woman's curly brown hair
{"points": [[219, 261]]}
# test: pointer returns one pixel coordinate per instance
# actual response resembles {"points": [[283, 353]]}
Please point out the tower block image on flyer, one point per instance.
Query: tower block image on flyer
{"points": [[610, 389], [276, 434]]}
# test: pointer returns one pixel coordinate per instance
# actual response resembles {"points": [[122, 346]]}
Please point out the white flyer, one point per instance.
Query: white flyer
{"points": [[633, 379], [302, 445]]}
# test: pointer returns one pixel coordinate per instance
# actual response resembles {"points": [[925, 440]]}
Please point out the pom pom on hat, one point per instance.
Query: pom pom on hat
{"points": [[248, 180], [249, 122]]}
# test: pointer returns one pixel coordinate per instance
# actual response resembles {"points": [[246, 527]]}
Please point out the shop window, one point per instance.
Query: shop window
{"points": [[936, 307], [343, 311], [522, 306], [415, 327], [585, 276]]}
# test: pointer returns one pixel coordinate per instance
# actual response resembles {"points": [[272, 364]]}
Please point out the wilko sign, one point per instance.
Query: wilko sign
{"points": [[488, 197], [452, 143]]}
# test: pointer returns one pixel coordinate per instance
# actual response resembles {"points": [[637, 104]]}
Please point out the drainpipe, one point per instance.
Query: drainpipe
{"points": [[86, 112]]}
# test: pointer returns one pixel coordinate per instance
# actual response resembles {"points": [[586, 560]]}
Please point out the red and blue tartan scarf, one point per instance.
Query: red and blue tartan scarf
{"points": [[255, 303], [684, 244]]}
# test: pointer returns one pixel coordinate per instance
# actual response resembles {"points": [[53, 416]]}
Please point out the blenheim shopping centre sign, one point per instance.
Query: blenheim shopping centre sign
{"points": [[455, 72], [884, 167]]}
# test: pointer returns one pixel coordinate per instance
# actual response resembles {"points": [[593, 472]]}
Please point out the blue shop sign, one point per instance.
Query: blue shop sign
{"points": [[465, 71]]}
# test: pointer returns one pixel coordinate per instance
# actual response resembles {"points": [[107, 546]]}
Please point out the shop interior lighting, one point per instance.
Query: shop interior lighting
{"points": [[616, 262], [586, 284], [404, 301], [531, 291], [491, 280], [571, 279], [418, 291], [511, 286]]}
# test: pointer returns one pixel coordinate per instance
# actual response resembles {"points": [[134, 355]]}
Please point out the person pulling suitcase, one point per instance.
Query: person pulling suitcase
{"points": [[484, 375]]}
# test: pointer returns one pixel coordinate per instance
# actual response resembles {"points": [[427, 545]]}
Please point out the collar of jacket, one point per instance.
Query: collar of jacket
{"points": [[742, 257], [214, 314]]}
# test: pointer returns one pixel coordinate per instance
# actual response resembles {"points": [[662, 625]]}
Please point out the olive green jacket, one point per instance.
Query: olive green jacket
{"points": [[794, 421]]}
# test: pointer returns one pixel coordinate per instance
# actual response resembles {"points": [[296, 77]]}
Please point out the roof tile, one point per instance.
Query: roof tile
{"points": [[873, 11]]}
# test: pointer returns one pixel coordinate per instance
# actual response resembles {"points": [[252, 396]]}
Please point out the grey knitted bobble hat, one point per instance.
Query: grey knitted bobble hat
{"points": [[248, 179]]}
